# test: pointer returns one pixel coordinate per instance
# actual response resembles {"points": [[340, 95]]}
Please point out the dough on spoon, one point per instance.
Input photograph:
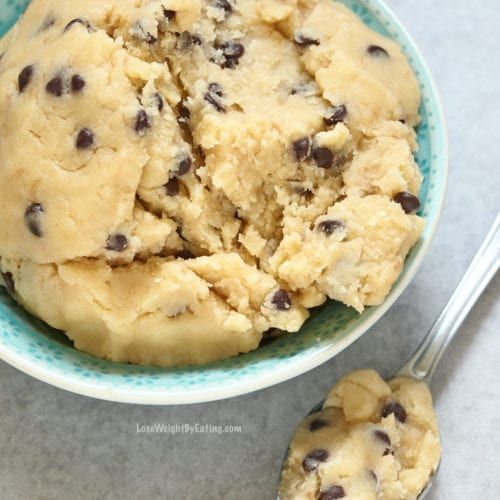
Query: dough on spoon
{"points": [[372, 440]]}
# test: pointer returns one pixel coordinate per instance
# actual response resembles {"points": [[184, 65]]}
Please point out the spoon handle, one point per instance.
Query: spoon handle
{"points": [[482, 269]]}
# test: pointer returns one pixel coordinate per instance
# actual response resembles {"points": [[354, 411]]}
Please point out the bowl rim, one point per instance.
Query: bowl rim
{"points": [[146, 397]]}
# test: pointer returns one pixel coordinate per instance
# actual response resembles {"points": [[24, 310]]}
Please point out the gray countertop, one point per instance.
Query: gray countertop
{"points": [[56, 445]]}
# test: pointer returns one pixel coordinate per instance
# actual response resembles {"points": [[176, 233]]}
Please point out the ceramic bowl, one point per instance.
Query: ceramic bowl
{"points": [[31, 346]]}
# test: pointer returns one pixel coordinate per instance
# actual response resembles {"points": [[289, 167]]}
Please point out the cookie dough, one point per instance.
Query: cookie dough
{"points": [[177, 177], [371, 440]]}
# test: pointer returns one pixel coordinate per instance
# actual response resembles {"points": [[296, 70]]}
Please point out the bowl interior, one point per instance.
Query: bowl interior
{"points": [[35, 348]]}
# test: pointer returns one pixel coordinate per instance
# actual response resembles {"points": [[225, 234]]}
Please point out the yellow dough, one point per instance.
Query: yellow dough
{"points": [[177, 177], [372, 440]]}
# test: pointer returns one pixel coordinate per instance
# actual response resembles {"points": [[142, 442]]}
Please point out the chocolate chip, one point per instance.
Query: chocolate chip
{"points": [[150, 39], [184, 110], [25, 77], [78, 20], [8, 280], [196, 40], [408, 201], [184, 254], [317, 423], [210, 98], [387, 451], [85, 139], [77, 83], [224, 5], [117, 242], [382, 436], [184, 113], [330, 226], [186, 40], [184, 166], [213, 95], [229, 63], [55, 86], [377, 51], [233, 49], [395, 408], [159, 101], [301, 148], [336, 115], [32, 219], [142, 122], [304, 41], [333, 491], [232, 52], [215, 88], [314, 458], [323, 157], [172, 187], [169, 14], [281, 300]]}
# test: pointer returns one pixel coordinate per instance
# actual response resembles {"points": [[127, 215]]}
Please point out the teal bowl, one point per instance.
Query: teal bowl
{"points": [[31, 346]]}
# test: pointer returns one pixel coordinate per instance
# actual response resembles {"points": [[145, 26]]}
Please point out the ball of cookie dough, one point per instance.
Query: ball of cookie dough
{"points": [[371, 440], [179, 177]]}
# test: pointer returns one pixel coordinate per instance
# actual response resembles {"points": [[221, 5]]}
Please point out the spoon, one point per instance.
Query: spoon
{"points": [[422, 365]]}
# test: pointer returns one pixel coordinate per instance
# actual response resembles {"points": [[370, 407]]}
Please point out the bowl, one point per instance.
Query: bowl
{"points": [[46, 354]]}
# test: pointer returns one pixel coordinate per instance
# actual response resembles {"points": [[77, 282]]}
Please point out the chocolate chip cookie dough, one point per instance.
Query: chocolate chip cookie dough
{"points": [[179, 176], [371, 440]]}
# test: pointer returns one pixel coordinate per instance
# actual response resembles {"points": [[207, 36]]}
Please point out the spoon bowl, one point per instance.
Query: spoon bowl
{"points": [[423, 494]]}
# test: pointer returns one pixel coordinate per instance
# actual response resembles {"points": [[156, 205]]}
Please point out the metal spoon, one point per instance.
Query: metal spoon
{"points": [[423, 363]]}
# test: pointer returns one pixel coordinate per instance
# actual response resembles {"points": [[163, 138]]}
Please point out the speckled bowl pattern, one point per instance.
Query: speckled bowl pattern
{"points": [[31, 346]]}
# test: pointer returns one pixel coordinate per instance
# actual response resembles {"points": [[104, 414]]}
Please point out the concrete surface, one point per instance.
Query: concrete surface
{"points": [[55, 445]]}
